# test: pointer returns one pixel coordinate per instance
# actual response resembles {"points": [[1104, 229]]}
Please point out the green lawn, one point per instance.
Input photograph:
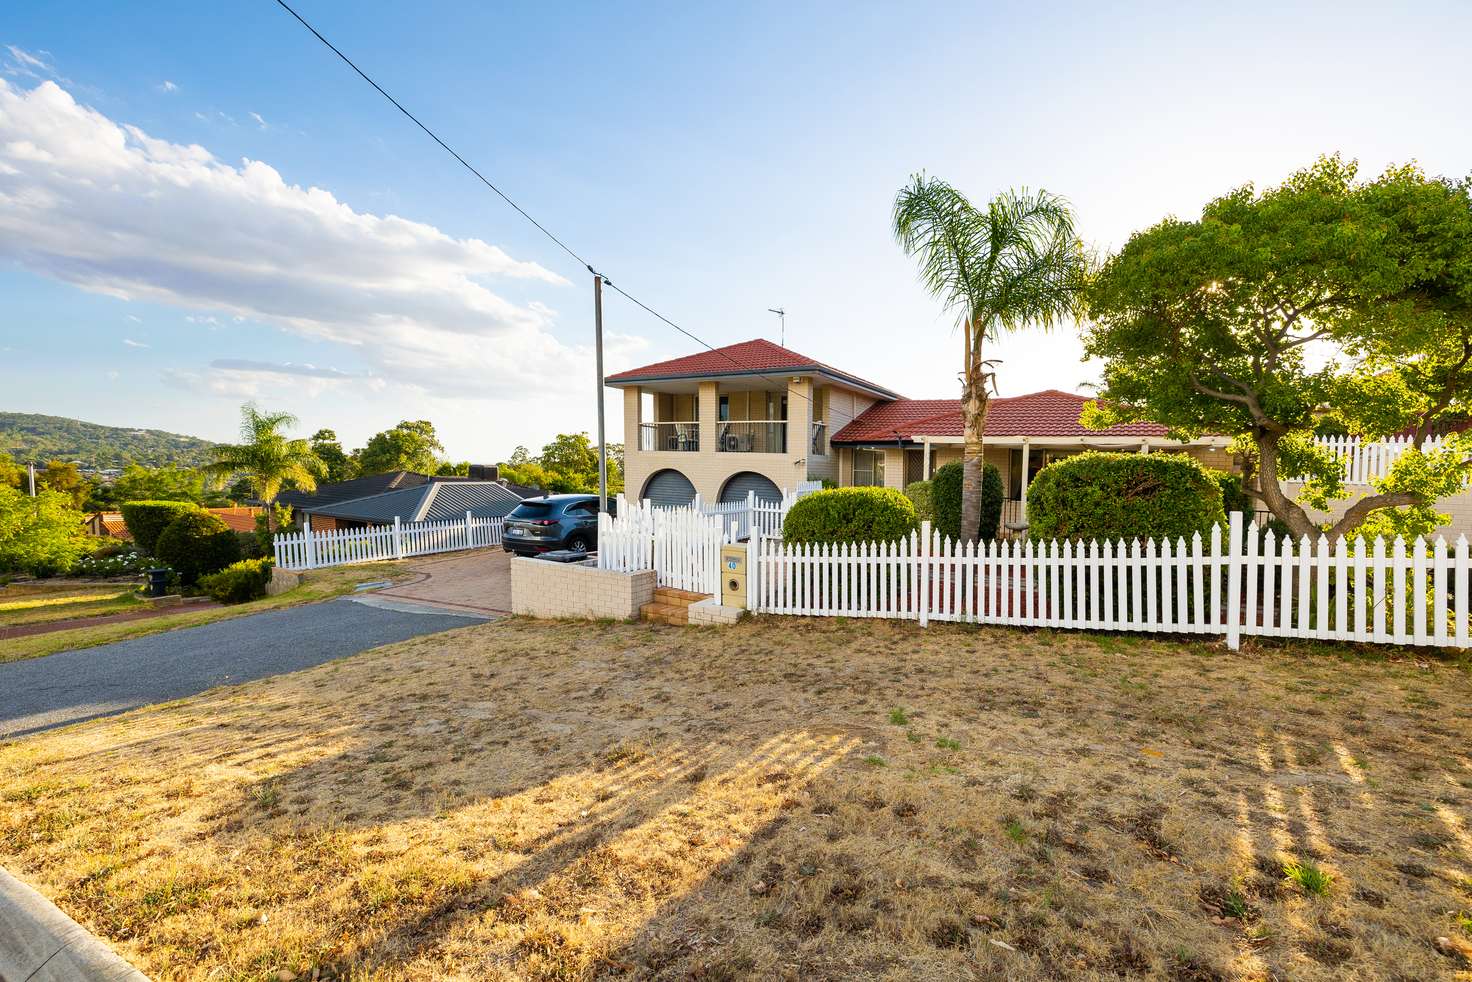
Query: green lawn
{"points": [[23, 604]]}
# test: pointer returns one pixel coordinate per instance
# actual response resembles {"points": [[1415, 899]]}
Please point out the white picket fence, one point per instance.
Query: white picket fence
{"points": [[1249, 585], [310, 549], [682, 545], [1366, 460]]}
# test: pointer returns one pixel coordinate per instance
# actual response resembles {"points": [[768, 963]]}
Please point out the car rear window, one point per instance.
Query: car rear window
{"points": [[532, 509]]}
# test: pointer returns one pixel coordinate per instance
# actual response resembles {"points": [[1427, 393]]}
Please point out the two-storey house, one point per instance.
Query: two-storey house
{"points": [[758, 417]]}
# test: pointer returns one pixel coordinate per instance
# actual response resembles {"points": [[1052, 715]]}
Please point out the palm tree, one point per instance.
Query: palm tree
{"points": [[1016, 263], [266, 457]]}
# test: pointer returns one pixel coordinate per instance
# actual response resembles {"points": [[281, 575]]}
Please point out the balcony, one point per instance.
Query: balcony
{"points": [[677, 436], [752, 436]]}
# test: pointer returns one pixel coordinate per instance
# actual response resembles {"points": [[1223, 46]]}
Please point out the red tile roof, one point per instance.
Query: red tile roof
{"points": [[745, 358], [1047, 413]]}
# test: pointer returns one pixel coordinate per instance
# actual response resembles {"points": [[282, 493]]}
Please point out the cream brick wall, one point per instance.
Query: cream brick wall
{"points": [[1459, 507], [709, 612], [540, 588]]}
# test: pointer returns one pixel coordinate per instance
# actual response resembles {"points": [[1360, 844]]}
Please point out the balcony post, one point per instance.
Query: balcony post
{"points": [[710, 408], [799, 417]]}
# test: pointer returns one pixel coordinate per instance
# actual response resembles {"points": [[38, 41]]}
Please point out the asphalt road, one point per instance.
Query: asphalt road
{"points": [[72, 686]]}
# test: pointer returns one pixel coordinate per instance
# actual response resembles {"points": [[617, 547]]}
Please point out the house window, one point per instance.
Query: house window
{"points": [[868, 468]]}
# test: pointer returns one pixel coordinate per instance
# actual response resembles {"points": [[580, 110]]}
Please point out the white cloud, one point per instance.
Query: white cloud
{"points": [[115, 211], [168, 86], [304, 370], [134, 344], [134, 318], [259, 121]]}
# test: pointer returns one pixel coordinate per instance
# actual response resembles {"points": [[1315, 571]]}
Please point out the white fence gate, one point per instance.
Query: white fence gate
{"points": [[682, 545], [310, 549], [1345, 590]]}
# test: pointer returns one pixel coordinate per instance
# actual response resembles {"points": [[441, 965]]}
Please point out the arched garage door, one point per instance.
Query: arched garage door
{"points": [[737, 487], [669, 488]]}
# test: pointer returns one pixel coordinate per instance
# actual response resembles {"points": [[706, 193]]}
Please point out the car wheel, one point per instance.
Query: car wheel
{"points": [[577, 542]]}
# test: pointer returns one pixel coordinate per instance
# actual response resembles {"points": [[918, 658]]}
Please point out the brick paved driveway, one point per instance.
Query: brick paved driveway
{"points": [[478, 581]]}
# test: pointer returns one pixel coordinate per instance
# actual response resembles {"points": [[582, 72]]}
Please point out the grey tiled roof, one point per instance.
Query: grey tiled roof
{"points": [[432, 502], [358, 487]]}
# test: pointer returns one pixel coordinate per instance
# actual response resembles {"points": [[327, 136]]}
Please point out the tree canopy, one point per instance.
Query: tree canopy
{"points": [[1324, 298], [410, 446], [338, 464], [567, 464]]}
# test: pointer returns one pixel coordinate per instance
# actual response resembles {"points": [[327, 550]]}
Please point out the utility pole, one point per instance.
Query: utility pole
{"points": [[782, 315], [598, 357]]}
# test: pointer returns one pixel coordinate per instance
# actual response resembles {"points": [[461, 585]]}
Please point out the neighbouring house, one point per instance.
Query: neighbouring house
{"points": [[758, 417], [240, 518], [359, 487], [432, 500]]}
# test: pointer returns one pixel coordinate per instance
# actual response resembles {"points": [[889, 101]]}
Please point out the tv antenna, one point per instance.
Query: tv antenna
{"points": [[782, 315]]}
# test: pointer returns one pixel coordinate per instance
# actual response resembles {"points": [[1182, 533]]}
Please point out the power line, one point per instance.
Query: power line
{"points": [[507, 198]]}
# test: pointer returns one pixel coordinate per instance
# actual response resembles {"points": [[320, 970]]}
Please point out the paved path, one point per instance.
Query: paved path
{"points": [[72, 686], [477, 582]]}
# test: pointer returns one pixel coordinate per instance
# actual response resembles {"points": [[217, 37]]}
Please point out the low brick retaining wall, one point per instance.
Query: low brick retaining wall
{"points": [[540, 588]]}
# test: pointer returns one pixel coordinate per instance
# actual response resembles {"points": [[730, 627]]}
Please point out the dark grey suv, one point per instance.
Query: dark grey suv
{"points": [[557, 521]]}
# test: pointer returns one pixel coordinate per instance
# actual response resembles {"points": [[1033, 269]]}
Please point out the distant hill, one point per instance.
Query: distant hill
{"points": [[28, 435]]}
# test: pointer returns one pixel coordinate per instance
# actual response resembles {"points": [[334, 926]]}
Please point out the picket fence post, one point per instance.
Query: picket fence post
{"points": [[398, 539], [1234, 585], [923, 579], [311, 549], [753, 571]]}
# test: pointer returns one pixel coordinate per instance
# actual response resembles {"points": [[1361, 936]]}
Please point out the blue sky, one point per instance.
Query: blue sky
{"points": [[713, 160]]}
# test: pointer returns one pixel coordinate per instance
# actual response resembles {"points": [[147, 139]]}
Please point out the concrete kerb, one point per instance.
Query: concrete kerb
{"points": [[38, 943]]}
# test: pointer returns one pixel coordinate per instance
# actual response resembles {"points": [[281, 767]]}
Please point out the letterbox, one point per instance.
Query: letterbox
{"points": [[733, 576]]}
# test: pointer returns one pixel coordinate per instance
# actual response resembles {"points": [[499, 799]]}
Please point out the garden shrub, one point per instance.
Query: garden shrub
{"points": [[250, 545], [1233, 497], [945, 499], [42, 536], [146, 520], [197, 543], [850, 515], [1099, 496], [919, 495], [239, 582]]}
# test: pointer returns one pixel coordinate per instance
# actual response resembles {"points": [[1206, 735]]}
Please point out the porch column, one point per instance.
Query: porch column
{"points": [[709, 406], [1026, 454], [926, 470], [1144, 446], [633, 409]]}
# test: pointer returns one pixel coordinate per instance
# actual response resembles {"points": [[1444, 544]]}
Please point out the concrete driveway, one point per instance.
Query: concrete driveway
{"points": [[72, 686]]}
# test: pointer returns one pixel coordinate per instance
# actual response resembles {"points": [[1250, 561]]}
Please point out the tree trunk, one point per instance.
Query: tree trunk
{"points": [[1293, 515], [973, 412]]}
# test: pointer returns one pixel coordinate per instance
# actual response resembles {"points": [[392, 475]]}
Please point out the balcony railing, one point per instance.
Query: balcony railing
{"points": [[819, 444], [752, 436], [683, 436]]}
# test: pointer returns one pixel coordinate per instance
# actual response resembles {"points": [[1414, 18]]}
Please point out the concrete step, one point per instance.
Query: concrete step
{"points": [[677, 598], [658, 613]]}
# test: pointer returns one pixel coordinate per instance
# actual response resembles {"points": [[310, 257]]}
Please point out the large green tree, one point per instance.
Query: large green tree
{"points": [[138, 483], [266, 456], [339, 465], [569, 463], [41, 535], [410, 446], [1016, 263], [1325, 296]]}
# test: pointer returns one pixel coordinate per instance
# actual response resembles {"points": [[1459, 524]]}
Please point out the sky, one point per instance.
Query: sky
{"points": [[200, 205]]}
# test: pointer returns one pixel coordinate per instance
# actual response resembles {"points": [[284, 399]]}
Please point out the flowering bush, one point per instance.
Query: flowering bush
{"points": [[117, 564]]}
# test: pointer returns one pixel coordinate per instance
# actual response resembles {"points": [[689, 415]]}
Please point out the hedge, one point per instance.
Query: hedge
{"points": [[239, 582], [919, 494], [146, 520], [945, 499], [197, 543], [1099, 496], [1233, 497], [850, 515]]}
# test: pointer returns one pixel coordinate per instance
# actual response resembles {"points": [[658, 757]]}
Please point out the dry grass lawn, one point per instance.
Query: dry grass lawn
{"points": [[784, 799]]}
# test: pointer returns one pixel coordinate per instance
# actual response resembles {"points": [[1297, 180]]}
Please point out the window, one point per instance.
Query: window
{"points": [[725, 413], [583, 508], [868, 468]]}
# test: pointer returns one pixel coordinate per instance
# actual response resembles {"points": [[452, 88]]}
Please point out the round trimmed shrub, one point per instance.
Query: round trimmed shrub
{"points": [[945, 499], [850, 515], [197, 543], [146, 520], [239, 582], [1099, 496]]}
